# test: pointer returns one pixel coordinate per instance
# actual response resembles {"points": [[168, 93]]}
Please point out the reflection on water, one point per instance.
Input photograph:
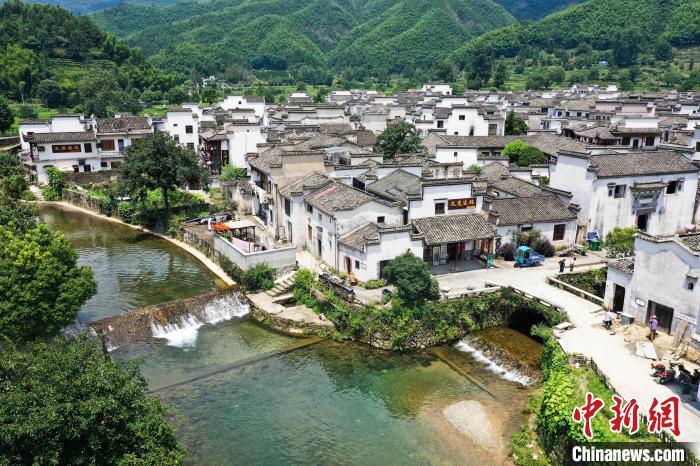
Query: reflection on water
{"points": [[132, 269]]}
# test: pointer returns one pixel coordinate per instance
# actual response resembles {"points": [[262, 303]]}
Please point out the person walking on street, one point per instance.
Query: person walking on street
{"points": [[561, 265], [608, 320], [571, 264], [653, 326]]}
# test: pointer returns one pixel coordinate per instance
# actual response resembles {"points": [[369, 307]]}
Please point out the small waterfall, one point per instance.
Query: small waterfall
{"points": [[225, 308], [493, 366], [183, 331]]}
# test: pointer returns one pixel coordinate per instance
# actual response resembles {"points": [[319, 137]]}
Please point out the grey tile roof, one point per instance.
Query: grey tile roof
{"points": [[336, 197], [519, 210], [625, 265], [122, 124], [311, 181], [547, 142], [454, 228], [644, 163], [49, 138], [691, 241], [516, 186], [397, 185], [357, 238]]}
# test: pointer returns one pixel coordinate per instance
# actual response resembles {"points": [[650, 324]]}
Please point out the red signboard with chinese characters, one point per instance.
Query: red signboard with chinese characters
{"points": [[464, 203]]}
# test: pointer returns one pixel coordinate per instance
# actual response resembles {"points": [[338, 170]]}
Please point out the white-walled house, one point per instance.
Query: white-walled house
{"points": [[652, 190], [437, 197], [66, 151], [182, 124], [661, 279], [335, 209], [365, 251], [293, 216], [546, 214], [114, 135]]}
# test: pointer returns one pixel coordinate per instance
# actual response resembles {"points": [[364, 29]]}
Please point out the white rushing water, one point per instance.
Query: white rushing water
{"points": [[183, 332], [493, 366]]}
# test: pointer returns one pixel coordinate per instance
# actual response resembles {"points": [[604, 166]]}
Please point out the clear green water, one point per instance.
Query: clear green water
{"points": [[132, 269], [328, 403], [240, 398]]}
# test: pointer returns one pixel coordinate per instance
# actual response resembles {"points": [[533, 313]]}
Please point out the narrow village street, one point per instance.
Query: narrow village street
{"points": [[628, 373]]}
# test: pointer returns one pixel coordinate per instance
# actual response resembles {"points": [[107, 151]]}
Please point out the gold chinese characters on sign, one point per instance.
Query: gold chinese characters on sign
{"points": [[464, 203]]}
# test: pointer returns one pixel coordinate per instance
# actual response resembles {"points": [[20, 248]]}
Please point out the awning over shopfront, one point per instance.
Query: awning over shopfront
{"points": [[447, 229]]}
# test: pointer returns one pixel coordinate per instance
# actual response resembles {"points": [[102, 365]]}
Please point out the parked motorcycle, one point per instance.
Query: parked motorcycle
{"points": [[663, 375]]}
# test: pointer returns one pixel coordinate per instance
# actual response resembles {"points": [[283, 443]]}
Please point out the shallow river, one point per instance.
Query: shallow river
{"points": [[245, 395], [132, 269]]}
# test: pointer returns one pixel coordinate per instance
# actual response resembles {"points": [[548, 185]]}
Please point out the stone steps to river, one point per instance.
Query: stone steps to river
{"points": [[282, 287]]}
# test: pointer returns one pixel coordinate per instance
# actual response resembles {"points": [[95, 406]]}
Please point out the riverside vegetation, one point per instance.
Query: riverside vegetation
{"points": [[414, 318], [551, 428], [64, 402]]}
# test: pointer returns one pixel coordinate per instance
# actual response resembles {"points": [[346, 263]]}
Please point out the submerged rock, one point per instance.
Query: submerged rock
{"points": [[471, 419]]}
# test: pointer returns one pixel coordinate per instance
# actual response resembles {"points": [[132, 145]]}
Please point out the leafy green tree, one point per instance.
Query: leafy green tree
{"points": [[149, 97], [13, 186], [321, 94], [500, 74], [522, 154], [531, 156], [69, 403], [157, 161], [9, 165], [101, 95], [398, 138], [232, 173], [537, 79], [49, 92], [445, 71], [626, 46], [412, 279], [671, 78], [7, 118], [26, 112], [620, 241], [514, 124], [41, 286], [260, 277], [663, 50], [177, 95], [17, 217], [557, 74]]}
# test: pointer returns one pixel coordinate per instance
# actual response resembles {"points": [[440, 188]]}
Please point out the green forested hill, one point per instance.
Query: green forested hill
{"points": [[88, 6], [45, 51], [624, 28], [379, 36], [415, 34], [535, 9]]}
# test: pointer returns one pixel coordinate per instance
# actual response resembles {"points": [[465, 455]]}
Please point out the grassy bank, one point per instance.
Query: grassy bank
{"points": [[545, 438]]}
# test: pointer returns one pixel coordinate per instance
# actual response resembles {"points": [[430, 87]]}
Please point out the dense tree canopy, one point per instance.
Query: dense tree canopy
{"points": [[41, 286], [157, 161], [68, 403], [412, 279], [620, 241], [515, 125], [42, 42], [6, 115], [523, 154], [398, 138]]}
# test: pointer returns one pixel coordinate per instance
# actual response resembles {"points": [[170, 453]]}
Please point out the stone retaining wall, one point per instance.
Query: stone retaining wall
{"points": [[287, 326]]}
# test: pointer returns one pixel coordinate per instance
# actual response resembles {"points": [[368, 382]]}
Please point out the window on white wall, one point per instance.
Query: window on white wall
{"points": [[440, 208], [559, 231]]}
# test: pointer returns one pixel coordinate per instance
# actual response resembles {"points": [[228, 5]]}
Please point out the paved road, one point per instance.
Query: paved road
{"points": [[628, 373]]}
